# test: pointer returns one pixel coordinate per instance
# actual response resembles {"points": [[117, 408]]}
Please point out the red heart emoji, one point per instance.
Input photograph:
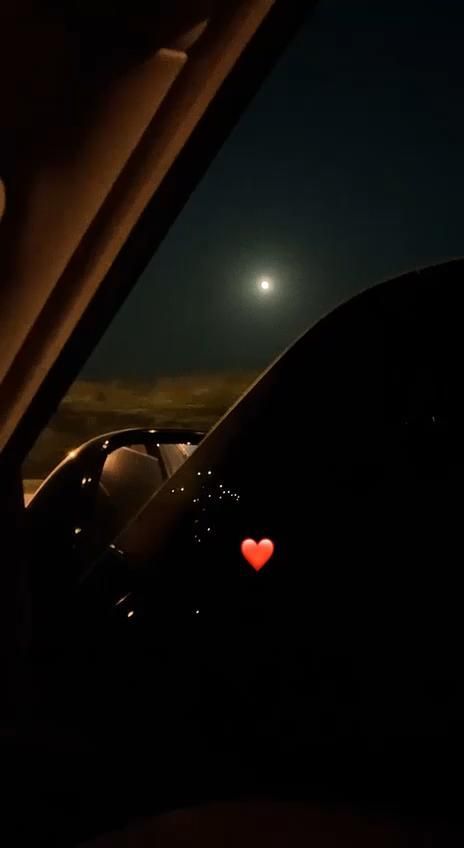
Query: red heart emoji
{"points": [[257, 553]]}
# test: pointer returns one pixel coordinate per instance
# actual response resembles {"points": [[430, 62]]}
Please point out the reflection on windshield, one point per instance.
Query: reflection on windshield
{"points": [[174, 456], [130, 477]]}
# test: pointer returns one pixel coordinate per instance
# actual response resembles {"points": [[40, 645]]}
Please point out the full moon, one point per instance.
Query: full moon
{"points": [[264, 285]]}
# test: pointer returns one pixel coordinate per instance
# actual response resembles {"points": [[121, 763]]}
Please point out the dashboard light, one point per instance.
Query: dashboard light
{"points": [[121, 600]]}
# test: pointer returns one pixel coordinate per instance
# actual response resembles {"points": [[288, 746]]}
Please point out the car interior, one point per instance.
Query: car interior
{"points": [[130, 477], [110, 114]]}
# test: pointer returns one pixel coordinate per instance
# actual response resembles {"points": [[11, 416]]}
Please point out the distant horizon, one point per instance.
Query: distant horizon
{"points": [[212, 372], [95, 406]]}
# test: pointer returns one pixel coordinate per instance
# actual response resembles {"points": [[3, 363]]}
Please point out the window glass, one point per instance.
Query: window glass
{"points": [[346, 169]]}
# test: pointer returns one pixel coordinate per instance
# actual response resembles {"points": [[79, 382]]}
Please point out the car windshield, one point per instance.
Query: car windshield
{"points": [[345, 170]]}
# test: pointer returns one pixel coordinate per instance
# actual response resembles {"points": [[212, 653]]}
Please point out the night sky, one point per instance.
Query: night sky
{"points": [[346, 169]]}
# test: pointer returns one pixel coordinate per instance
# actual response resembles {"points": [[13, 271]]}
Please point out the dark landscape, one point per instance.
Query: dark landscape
{"points": [[94, 407]]}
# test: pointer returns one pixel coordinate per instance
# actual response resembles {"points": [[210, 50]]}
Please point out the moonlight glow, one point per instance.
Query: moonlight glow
{"points": [[264, 285]]}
